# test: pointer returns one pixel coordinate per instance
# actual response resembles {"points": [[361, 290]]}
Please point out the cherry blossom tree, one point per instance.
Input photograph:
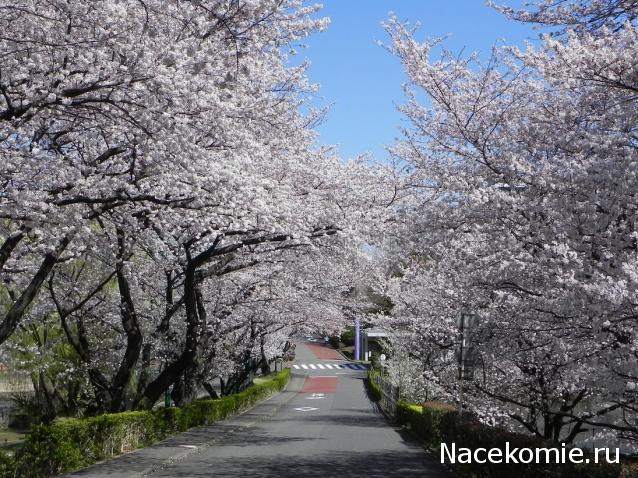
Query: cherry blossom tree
{"points": [[159, 182], [523, 211]]}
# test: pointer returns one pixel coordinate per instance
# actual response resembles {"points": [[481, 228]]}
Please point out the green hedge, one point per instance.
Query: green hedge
{"points": [[373, 388], [437, 424], [76, 443]]}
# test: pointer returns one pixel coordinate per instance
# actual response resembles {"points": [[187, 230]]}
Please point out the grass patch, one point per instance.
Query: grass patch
{"points": [[348, 352], [11, 439]]}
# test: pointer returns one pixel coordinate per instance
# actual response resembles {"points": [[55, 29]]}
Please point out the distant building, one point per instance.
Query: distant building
{"points": [[370, 341]]}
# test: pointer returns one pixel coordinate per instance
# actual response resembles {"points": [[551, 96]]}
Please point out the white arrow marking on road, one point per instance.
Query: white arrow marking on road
{"points": [[306, 409]]}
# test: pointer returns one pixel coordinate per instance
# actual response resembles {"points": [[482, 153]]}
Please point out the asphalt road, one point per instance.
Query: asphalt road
{"points": [[323, 425]]}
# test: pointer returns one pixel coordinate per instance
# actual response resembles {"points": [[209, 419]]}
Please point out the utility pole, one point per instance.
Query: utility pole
{"points": [[357, 339], [461, 368], [465, 353]]}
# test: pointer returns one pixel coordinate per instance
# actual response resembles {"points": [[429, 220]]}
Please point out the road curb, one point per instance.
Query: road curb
{"points": [[163, 462], [199, 448]]}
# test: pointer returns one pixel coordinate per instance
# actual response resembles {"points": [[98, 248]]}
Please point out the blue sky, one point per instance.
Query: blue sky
{"points": [[363, 81]]}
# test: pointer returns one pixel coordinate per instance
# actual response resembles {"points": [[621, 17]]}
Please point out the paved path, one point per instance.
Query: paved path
{"points": [[323, 425]]}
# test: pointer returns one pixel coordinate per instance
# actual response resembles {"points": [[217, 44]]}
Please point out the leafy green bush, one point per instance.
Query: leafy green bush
{"points": [[6, 464], [373, 388], [375, 362], [347, 337], [75, 443], [435, 424], [334, 342]]}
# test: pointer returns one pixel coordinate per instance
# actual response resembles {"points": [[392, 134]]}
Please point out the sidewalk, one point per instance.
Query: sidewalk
{"points": [[143, 462]]}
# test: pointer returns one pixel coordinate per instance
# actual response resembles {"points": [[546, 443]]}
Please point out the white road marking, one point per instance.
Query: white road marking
{"points": [[334, 366], [306, 409]]}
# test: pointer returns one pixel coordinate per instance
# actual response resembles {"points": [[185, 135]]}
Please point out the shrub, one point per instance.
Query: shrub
{"points": [[437, 423], [335, 342], [375, 363], [347, 337], [6, 464], [373, 388], [75, 443]]}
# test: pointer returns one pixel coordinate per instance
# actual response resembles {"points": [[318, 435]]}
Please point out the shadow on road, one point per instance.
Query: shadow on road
{"points": [[343, 419], [370, 465]]}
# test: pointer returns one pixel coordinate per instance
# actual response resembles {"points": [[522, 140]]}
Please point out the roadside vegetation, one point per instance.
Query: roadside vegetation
{"points": [[70, 444]]}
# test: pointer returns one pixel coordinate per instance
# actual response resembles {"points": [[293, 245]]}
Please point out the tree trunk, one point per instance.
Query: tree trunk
{"points": [[174, 371], [212, 393], [133, 333], [20, 306]]}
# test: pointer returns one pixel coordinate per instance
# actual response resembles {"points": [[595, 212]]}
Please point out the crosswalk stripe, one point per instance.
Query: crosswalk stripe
{"points": [[332, 366]]}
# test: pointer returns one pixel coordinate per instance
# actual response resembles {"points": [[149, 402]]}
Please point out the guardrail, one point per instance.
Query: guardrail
{"points": [[390, 394]]}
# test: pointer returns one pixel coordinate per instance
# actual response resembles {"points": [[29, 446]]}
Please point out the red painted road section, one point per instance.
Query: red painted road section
{"points": [[320, 385], [324, 353]]}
